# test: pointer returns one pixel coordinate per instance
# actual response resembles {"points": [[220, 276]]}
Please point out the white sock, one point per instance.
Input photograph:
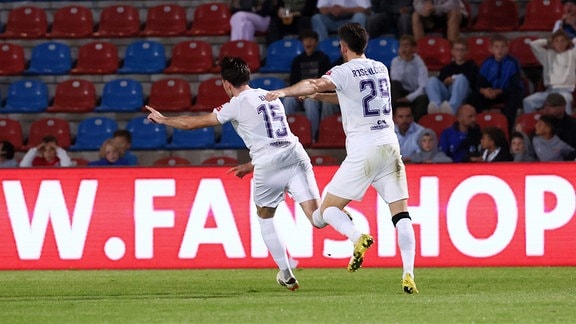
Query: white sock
{"points": [[273, 243], [341, 223], [407, 244], [317, 219]]}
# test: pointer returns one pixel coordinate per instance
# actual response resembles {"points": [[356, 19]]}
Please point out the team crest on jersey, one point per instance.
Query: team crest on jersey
{"points": [[219, 108], [328, 73]]}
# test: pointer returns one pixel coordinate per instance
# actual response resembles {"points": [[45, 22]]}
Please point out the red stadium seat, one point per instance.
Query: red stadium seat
{"points": [[26, 22], [330, 133], [527, 122], [520, 49], [324, 160], [172, 94], [249, 51], [497, 15], [541, 14], [220, 161], [165, 20], [119, 21], [79, 162], [74, 96], [11, 131], [72, 22], [191, 57], [56, 127], [300, 126], [437, 122], [97, 58], [478, 48], [211, 19], [171, 161], [12, 60], [435, 51], [211, 94], [495, 119]]}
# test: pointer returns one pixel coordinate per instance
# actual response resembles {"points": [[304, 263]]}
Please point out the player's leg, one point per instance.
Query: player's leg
{"points": [[303, 188]]}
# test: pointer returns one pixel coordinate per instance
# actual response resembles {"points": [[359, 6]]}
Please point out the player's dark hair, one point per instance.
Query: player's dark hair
{"points": [[123, 133], [7, 150], [355, 36], [235, 71]]}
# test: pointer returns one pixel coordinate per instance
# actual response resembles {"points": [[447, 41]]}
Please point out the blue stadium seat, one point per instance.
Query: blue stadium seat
{"points": [[50, 58], [26, 96], [202, 138], [279, 55], [382, 49], [121, 95], [331, 47], [92, 132], [146, 135], [230, 139], [144, 57], [267, 83]]}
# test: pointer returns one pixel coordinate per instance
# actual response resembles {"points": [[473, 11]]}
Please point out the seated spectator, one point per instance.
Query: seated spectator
{"points": [[429, 152], [293, 17], [110, 155], [335, 13], [430, 15], [564, 124], [47, 153], [407, 131], [461, 140], [493, 146], [408, 75], [521, 147], [7, 152], [547, 145], [568, 21], [124, 140], [249, 17], [390, 17], [558, 59], [499, 81], [452, 86]]}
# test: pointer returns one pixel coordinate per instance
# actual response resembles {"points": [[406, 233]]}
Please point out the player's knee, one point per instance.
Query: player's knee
{"points": [[396, 218]]}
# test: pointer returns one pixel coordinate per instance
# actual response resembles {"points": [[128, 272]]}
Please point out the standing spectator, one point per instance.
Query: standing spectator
{"points": [[409, 75], [110, 154], [494, 146], [429, 152], [433, 14], [390, 16], [547, 145], [124, 140], [452, 86], [249, 17], [7, 155], [310, 64], [407, 130], [293, 17], [564, 124], [335, 13], [47, 153], [558, 59], [568, 21], [521, 147], [461, 140]]}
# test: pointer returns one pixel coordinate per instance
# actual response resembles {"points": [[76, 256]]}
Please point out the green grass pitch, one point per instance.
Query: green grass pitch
{"points": [[371, 295]]}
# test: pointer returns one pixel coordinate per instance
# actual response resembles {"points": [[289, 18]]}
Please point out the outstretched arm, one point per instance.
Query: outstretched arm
{"points": [[303, 88], [183, 122], [241, 170]]}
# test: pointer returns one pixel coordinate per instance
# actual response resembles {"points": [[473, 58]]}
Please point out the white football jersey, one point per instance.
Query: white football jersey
{"points": [[363, 89]]}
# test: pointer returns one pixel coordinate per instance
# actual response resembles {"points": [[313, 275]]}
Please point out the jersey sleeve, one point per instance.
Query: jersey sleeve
{"points": [[336, 75], [226, 112]]}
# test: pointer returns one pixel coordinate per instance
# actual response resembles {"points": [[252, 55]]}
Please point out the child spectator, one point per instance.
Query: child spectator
{"points": [[433, 14], [461, 140], [558, 59], [7, 155], [429, 152], [452, 86], [493, 146], [47, 153], [547, 145], [568, 21], [110, 155], [124, 140], [521, 148]]}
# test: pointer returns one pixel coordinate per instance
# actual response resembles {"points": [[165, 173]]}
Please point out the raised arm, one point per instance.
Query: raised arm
{"points": [[303, 88], [183, 122]]}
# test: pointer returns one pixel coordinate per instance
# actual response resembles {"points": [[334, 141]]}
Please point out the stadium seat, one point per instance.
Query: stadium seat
{"points": [[382, 49], [331, 47], [97, 58], [527, 122], [171, 161], [26, 96], [330, 133], [541, 14], [267, 83], [280, 54], [211, 19], [74, 96], [220, 161], [26, 22], [170, 95], [211, 94], [229, 138], [11, 131], [495, 119], [300, 126], [146, 135], [191, 56], [202, 138], [56, 127], [437, 122], [249, 51], [12, 60], [144, 57], [79, 162], [478, 48], [74, 21], [324, 160], [92, 132], [50, 58], [435, 51], [119, 21], [121, 95], [497, 16], [165, 20], [520, 49]]}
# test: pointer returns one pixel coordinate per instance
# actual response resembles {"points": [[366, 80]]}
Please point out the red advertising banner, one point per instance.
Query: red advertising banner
{"points": [[199, 217]]}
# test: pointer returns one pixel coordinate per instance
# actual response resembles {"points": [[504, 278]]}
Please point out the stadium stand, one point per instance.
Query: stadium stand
{"points": [[171, 95], [435, 52], [165, 20], [497, 16], [57, 127], [382, 49], [210, 95], [12, 60], [50, 58], [494, 119], [437, 122], [121, 95], [74, 21], [100, 57], [324, 160], [118, 21], [11, 131], [26, 96], [330, 133], [229, 139], [280, 54], [172, 161], [267, 83], [541, 14], [193, 56], [74, 96], [331, 47], [220, 161], [146, 135], [26, 22], [144, 57], [301, 127], [211, 19], [478, 48], [249, 51], [92, 132], [202, 138]]}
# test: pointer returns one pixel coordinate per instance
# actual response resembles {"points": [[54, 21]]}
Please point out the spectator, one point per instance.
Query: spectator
{"points": [[293, 17], [123, 138], [493, 146], [310, 64], [452, 86], [7, 152], [110, 155], [249, 17], [407, 130], [461, 140], [390, 17], [433, 14], [47, 153], [547, 145], [428, 152], [568, 21], [335, 13], [499, 81], [558, 59], [564, 124], [521, 148], [409, 75]]}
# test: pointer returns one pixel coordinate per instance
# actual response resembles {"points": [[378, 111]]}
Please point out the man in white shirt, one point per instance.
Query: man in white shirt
{"points": [[407, 130], [373, 155]]}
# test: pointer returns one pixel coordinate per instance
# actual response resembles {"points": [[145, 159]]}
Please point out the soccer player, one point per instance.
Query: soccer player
{"points": [[362, 88]]}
